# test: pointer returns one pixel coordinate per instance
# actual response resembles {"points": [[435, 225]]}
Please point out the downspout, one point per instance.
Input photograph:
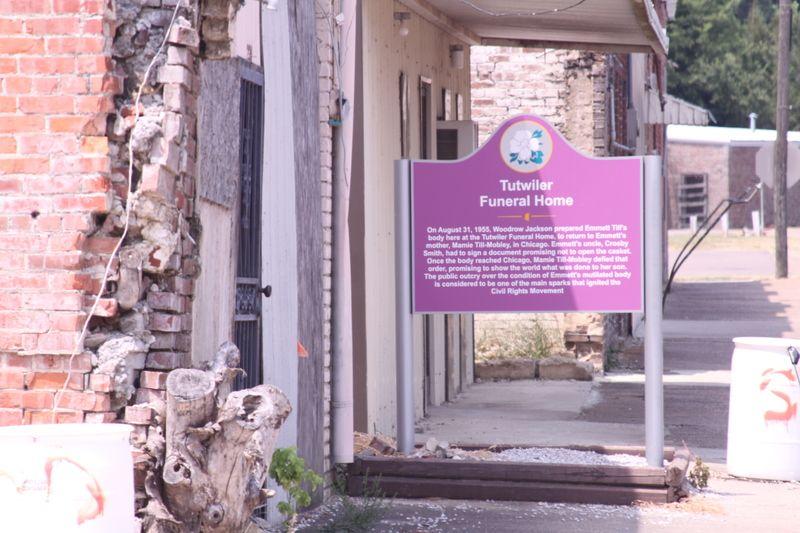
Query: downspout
{"points": [[612, 91], [344, 42]]}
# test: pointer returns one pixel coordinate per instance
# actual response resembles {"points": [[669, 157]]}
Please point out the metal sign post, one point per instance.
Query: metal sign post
{"points": [[654, 337], [403, 329]]}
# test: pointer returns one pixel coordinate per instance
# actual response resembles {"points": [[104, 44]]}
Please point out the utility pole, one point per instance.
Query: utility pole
{"points": [[782, 126]]}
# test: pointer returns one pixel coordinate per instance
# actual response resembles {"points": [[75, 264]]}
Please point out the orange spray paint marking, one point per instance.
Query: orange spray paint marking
{"points": [[301, 350], [94, 507], [785, 415], [791, 407]]}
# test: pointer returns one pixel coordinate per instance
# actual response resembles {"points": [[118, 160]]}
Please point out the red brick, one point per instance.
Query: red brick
{"points": [[11, 379], [101, 382], [67, 321], [15, 361], [75, 45], [165, 360], [18, 84], [8, 104], [18, 7], [139, 415], [77, 221], [94, 144], [53, 380], [8, 65], [165, 322], [106, 307], [22, 243], [10, 398], [92, 25], [66, 242], [84, 401], [12, 262], [94, 7], [46, 65], [149, 395], [106, 83], [52, 26], [73, 85], [89, 64], [63, 301], [50, 185], [153, 380], [10, 185], [10, 26], [56, 342], [80, 363], [31, 321], [87, 124], [64, 261], [21, 124], [49, 417], [46, 104], [7, 145], [166, 301], [94, 104], [180, 285], [47, 85], [47, 143], [15, 341], [79, 164], [68, 281], [66, 6], [84, 202], [37, 399], [10, 417], [23, 165], [21, 45]]}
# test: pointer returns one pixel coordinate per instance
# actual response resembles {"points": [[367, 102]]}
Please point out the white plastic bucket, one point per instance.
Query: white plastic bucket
{"points": [[66, 478], [763, 423]]}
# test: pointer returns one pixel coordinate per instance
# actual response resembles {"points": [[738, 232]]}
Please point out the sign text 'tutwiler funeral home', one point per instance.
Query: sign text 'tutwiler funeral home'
{"points": [[527, 223]]}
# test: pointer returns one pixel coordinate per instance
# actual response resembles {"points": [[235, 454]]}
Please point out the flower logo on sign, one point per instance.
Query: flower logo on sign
{"points": [[526, 147]]}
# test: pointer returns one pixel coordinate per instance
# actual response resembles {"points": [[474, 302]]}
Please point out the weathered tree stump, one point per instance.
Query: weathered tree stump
{"points": [[218, 448]]}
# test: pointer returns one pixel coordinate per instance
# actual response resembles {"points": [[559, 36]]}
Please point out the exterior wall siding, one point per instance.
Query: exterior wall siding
{"points": [[424, 52]]}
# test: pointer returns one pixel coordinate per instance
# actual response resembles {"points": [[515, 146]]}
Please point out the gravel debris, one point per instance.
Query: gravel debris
{"points": [[566, 456]]}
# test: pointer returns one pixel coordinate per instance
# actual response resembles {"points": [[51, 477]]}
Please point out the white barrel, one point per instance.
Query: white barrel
{"points": [[763, 425], [66, 477]]}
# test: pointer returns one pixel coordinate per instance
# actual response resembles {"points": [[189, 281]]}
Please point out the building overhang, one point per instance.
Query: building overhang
{"points": [[603, 25]]}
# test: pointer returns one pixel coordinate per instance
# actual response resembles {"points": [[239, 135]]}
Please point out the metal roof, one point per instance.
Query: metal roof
{"points": [[721, 135]]}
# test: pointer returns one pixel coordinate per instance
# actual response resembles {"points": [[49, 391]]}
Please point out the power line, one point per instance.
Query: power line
{"points": [[491, 13]]}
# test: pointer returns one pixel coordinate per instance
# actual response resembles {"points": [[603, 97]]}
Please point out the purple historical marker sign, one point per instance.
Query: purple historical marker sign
{"points": [[527, 223]]}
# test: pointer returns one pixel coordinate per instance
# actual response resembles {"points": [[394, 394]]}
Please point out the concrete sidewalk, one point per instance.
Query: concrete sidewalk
{"points": [[701, 320]]}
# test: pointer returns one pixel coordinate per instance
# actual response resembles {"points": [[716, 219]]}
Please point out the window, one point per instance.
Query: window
{"points": [[692, 198], [425, 118]]}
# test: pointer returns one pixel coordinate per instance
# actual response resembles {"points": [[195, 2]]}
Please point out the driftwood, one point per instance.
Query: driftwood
{"points": [[218, 449]]}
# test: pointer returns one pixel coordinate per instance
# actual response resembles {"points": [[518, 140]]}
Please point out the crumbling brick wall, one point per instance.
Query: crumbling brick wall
{"points": [[57, 85], [68, 126]]}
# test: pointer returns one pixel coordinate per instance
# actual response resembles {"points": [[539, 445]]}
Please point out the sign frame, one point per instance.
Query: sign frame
{"points": [[499, 131]]}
